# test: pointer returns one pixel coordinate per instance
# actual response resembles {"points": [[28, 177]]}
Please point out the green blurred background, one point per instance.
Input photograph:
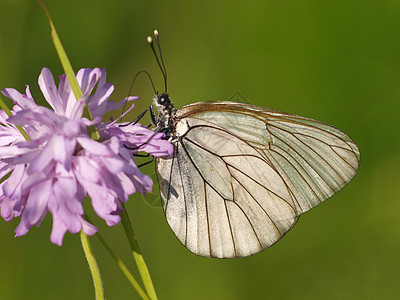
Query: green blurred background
{"points": [[334, 61]]}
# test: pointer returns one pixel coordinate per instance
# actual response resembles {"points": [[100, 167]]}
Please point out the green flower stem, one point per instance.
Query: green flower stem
{"points": [[144, 272], [123, 268], [5, 107], [137, 255], [120, 264], [8, 112], [94, 269], [93, 132]]}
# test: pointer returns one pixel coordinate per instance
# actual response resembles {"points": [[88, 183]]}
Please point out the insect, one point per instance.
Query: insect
{"points": [[241, 175]]}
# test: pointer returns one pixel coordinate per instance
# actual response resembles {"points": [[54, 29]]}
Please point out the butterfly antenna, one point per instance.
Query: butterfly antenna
{"points": [[160, 61], [133, 82], [137, 74], [161, 58]]}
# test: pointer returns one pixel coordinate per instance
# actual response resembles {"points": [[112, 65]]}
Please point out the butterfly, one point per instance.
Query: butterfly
{"points": [[241, 175]]}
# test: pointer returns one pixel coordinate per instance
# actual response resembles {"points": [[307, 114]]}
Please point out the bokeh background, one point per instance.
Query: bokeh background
{"points": [[335, 61]]}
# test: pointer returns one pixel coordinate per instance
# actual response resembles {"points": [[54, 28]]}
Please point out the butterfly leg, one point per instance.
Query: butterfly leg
{"points": [[147, 162], [141, 115], [144, 143]]}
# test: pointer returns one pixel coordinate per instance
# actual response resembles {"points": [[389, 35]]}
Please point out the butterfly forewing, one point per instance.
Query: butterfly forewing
{"points": [[240, 175]]}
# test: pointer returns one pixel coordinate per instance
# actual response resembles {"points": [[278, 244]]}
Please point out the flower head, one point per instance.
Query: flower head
{"points": [[60, 165]]}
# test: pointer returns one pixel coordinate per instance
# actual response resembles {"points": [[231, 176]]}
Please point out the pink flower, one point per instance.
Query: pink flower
{"points": [[60, 165]]}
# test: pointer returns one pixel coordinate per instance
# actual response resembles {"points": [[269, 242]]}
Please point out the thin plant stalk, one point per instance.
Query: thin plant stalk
{"points": [[143, 270], [94, 268], [98, 285], [137, 255], [121, 265], [66, 64]]}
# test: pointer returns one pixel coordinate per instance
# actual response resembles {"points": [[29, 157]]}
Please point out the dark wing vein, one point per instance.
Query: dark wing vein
{"points": [[230, 228], [222, 156], [258, 203], [287, 153], [310, 148], [328, 133], [184, 200], [288, 177], [198, 171], [208, 218], [169, 179], [250, 223], [201, 175]]}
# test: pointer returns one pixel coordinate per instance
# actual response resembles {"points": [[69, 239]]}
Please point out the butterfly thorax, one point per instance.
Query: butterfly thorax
{"points": [[166, 112]]}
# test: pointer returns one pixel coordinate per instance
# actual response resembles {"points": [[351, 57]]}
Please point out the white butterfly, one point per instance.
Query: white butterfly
{"points": [[241, 175]]}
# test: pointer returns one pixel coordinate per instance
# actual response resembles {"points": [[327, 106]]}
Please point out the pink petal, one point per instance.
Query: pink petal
{"points": [[94, 147], [87, 79], [13, 183], [77, 109], [87, 168], [36, 205], [88, 228], [18, 98], [66, 94], [22, 228], [113, 164], [58, 231], [44, 158], [50, 93]]}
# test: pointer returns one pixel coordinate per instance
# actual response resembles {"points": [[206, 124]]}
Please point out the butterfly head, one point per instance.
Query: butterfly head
{"points": [[163, 103], [163, 99]]}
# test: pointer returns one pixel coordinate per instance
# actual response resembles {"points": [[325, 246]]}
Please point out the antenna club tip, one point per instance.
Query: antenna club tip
{"points": [[149, 40], [156, 33]]}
